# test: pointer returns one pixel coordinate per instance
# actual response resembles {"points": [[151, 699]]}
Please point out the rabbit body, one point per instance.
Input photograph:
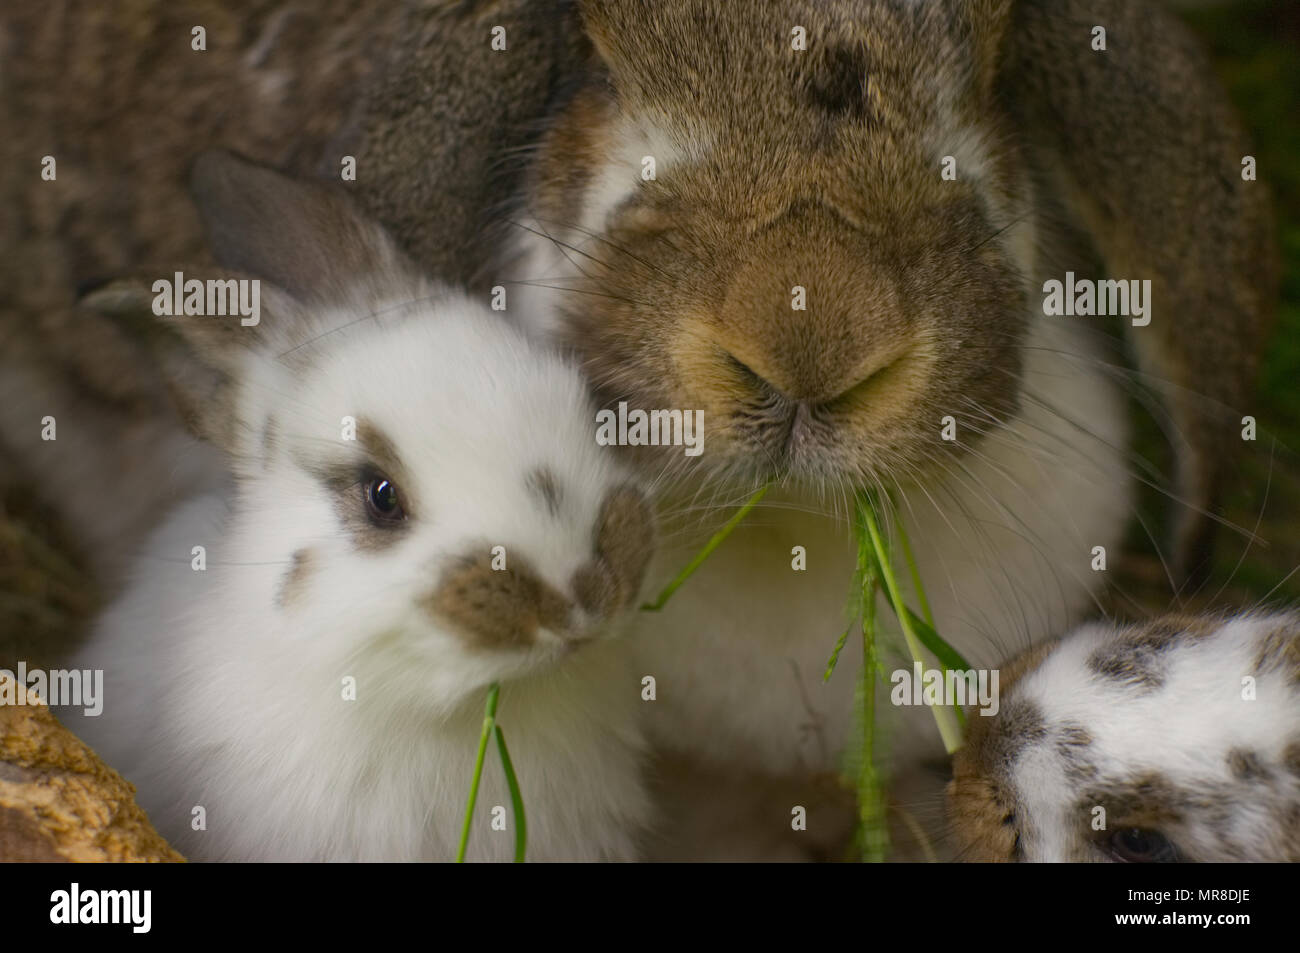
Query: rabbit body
{"points": [[417, 509]]}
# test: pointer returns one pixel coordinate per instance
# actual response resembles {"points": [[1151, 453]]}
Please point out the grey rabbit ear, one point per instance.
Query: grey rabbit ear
{"points": [[988, 22], [304, 237], [190, 354]]}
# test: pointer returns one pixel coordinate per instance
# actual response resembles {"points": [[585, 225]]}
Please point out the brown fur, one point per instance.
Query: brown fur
{"points": [[980, 809], [498, 609], [295, 580], [815, 172], [1144, 147], [504, 607], [543, 483], [1281, 651], [912, 310], [624, 544], [1136, 657]]}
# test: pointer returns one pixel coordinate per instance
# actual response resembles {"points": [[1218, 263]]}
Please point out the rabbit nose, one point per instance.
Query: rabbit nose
{"points": [[805, 392], [810, 313], [497, 608]]}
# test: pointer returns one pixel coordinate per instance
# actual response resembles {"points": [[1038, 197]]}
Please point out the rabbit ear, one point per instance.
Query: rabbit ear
{"points": [[306, 238], [982, 26], [197, 356]]}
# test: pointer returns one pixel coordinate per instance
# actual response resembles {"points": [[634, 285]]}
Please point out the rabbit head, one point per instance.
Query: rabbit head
{"points": [[414, 482], [1176, 739], [797, 266]]}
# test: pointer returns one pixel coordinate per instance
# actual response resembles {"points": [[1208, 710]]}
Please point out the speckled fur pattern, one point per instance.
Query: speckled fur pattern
{"points": [[1188, 727]]}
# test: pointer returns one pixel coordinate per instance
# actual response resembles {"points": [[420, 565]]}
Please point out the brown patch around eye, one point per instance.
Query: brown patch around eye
{"points": [[348, 477], [295, 579], [381, 451], [1149, 801], [498, 609], [624, 542]]}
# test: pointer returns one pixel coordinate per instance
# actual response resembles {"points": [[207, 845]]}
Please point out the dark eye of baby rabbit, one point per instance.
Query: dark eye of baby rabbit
{"points": [[1136, 845], [383, 503]]}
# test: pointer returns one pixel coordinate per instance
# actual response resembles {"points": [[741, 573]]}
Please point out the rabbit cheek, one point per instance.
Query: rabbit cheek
{"points": [[495, 610], [624, 542], [984, 826]]}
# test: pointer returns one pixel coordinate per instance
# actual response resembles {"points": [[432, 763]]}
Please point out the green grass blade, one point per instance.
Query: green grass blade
{"points": [[916, 576], [949, 725], [871, 788], [948, 656], [516, 800], [835, 654], [489, 720], [703, 554]]}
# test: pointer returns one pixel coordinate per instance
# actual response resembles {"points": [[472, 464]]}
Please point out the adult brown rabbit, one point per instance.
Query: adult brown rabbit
{"points": [[834, 229]]}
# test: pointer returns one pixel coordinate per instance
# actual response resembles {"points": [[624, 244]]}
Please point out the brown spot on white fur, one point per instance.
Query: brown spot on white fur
{"points": [[347, 477], [295, 580], [624, 541], [498, 609], [1149, 801], [1280, 651], [1246, 765], [1291, 758], [1135, 657], [543, 483]]}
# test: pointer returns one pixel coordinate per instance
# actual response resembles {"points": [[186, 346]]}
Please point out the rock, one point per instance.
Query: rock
{"points": [[59, 802]]}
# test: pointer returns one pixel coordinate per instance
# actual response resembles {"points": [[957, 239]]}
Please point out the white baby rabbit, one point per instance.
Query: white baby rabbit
{"points": [[369, 567], [1177, 739]]}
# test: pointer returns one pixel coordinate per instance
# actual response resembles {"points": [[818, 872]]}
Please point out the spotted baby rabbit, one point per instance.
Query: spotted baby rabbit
{"points": [[1177, 739], [333, 563]]}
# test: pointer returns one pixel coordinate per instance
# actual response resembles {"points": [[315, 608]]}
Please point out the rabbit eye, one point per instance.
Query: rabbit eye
{"points": [[382, 501], [1136, 845]]}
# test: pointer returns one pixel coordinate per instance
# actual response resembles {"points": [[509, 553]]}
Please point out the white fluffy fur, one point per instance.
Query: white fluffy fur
{"points": [[216, 696], [1182, 731]]}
